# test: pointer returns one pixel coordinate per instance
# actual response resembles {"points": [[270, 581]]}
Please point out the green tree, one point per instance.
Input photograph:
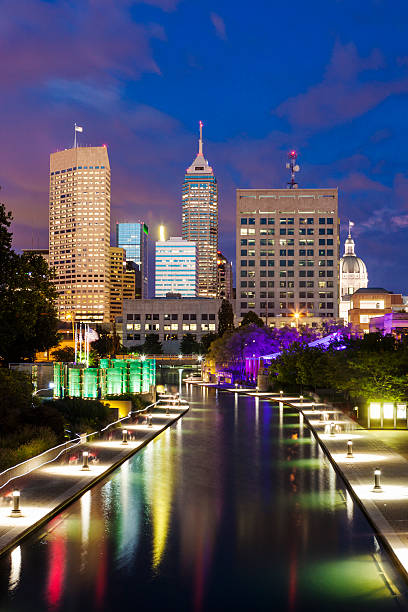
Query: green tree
{"points": [[251, 318], [66, 353], [152, 345], [104, 345], [28, 318], [225, 318], [206, 341], [189, 345]]}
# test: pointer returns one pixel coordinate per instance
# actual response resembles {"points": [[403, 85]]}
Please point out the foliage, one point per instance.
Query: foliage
{"points": [[225, 318], [27, 443], [67, 354], [15, 399], [152, 345], [83, 415], [251, 318], [206, 341], [369, 368], [108, 343], [28, 318], [189, 345]]}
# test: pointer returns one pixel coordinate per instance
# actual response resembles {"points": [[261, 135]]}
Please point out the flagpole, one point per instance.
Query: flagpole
{"points": [[75, 140], [75, 342]]}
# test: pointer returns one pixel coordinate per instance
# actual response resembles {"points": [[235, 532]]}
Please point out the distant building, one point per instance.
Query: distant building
{"points": [[353, 276], [372, 302], [117, 269], [43, 252], [176, 268], [395, 323], [200, 219], [129, 284], [133, 237], [287, 253], [224, 277], [170, 318], [79, 232]]}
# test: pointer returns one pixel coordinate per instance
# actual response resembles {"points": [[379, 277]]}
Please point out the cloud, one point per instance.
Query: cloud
{"points": [[219, 25], [165, 5], [342, 95], [400, 221]]}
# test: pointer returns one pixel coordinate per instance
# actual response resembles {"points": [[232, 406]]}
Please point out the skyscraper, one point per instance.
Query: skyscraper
{"points": [[224, 277], [117, 270], [79, 234], [176, 268], [287, 253], [133, 238], [200, 219]]}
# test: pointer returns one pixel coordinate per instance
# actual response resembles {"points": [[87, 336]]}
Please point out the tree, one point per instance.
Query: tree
{"points": [[152, 345], [251, 317], [189, 345], [225, 318], [67, 353], [28, 317], [206, 341], [104, 345]]}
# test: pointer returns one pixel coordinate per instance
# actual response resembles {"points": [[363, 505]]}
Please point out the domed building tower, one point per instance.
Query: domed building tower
{"points": [[353, 275]]}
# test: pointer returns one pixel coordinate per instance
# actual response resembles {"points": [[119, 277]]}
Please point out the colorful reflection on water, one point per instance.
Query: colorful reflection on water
{"points": [[233, 508]]}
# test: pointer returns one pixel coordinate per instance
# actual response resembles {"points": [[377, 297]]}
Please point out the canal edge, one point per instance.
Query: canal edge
{"points": [[75, 496]]}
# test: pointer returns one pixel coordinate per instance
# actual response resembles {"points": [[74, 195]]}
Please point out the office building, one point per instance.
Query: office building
{"points": [[133, 237], [176, 268], [287, 253], [170, 318], [224, 277], [117, 268], [353, 275], [129, 284], [79, 232], [200, 219], [372, 302]]}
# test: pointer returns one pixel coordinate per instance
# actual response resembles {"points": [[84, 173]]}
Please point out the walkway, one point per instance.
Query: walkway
{"points": [[48, 489]]}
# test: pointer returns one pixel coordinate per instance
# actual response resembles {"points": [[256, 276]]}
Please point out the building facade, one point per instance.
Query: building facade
{"points": [[133, 237], [176, 268], [79, 232], [372, 302], [353, 276], [170, 318], [200, 219], [224, 278], [117, 269], [287, 253]]}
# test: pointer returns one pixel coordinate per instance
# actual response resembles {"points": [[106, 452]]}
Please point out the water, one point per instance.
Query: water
{"points": [[233, 508]]}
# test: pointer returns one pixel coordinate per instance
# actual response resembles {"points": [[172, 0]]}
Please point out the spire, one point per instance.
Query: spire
{"points": [[349, 244], [200, 142], [351, 224]]}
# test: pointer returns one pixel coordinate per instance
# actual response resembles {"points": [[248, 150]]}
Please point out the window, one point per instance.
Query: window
{"points": [[211, 317], [174, 317], [244, 252], [244, 221], [251, 221], [329, 221], [372, 304], [244, 241], [322, 221]]}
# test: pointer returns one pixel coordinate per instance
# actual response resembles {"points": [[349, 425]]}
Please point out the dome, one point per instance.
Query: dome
{"points": [[351, 264]]}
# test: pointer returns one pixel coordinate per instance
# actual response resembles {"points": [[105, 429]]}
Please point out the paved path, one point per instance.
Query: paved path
{"points": [[48, 489]]}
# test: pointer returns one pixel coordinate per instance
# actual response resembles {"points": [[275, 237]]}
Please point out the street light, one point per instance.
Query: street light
{"points": [[51, 385], [16, 512]]}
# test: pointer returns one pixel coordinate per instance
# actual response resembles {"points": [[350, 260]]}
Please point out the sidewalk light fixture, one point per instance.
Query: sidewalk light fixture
{"points": [[124, 436], [16, 512], [85, 458], [377, 480], [350, 449]]}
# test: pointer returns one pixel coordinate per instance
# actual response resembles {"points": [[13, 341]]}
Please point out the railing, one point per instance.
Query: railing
{"points": [[29, 465]]}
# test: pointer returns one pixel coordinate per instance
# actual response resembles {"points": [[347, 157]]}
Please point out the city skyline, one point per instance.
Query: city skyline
{"points": [[144, 97]]}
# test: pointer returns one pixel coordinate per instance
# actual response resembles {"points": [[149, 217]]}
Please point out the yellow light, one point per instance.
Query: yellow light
{"points": [[296, 315], [375, 410], [388, 409], [162, 234]]}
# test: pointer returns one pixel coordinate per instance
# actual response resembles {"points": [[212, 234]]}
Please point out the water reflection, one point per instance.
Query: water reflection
{"points": [[234, 507]]}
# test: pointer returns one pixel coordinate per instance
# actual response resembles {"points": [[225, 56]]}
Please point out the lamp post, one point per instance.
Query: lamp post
{"points": [[85, 464], [350, 449], [377, 480], [16, 512], [124, 436]]}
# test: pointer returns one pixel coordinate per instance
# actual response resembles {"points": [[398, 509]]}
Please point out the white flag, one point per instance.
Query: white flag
{"points": [[351, 223], [78, 128], [92, 335]]}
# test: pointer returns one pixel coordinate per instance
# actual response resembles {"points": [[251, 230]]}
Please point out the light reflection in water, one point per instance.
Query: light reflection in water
{"points": [[15, 568]]}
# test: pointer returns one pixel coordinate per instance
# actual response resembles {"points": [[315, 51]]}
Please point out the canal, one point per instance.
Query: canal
{"points": [[233, 508]]}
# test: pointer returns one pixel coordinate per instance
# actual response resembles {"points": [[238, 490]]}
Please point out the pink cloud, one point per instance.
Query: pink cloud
{"points": [[219, 25], [341, 97], [357, 181]]}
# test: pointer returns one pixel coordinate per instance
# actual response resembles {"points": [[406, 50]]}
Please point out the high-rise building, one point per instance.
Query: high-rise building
{"points": [[117, 269], [79, 238], [287, 253], [133, 238], [129, 284], [176, 268], [224, 277], [353, 275], [200, 219]]}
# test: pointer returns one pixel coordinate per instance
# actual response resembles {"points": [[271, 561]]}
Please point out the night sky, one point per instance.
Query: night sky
{"points": [[329, 78]]}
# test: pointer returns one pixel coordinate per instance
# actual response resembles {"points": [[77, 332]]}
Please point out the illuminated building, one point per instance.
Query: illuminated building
{"points": [[200, 219], [79, 232], [353, 275], [224, 277], [372, 302], [133, 238], [117, 268], [287, 254], [176, 268], [129, 284]]}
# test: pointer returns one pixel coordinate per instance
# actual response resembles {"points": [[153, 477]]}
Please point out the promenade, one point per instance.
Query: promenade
{"points": [[384, 450], [48, 489]]}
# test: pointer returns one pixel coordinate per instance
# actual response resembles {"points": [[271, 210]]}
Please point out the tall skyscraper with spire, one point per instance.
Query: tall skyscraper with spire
{"points": [[200, 219]]}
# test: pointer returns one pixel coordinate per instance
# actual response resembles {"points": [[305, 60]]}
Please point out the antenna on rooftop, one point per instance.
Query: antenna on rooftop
{"points": [[293, 167]]}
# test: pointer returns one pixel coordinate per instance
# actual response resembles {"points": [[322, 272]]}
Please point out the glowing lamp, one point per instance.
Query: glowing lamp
{"points": [[375, 410], [16, 512], [388, 410]]}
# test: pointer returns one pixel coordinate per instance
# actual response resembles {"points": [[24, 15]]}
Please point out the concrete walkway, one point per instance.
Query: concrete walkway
{"points": [[50, 488]]}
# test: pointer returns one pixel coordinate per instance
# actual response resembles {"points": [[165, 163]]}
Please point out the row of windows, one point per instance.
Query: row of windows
{"points": [[288, 252], [286, 221], [290, 305], [283, 263], [169, 317], [77, 168], [302, 231], [286, 242], [288, 284]]}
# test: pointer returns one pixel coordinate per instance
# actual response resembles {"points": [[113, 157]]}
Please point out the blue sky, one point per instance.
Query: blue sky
{"points": [[327, 78]]}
